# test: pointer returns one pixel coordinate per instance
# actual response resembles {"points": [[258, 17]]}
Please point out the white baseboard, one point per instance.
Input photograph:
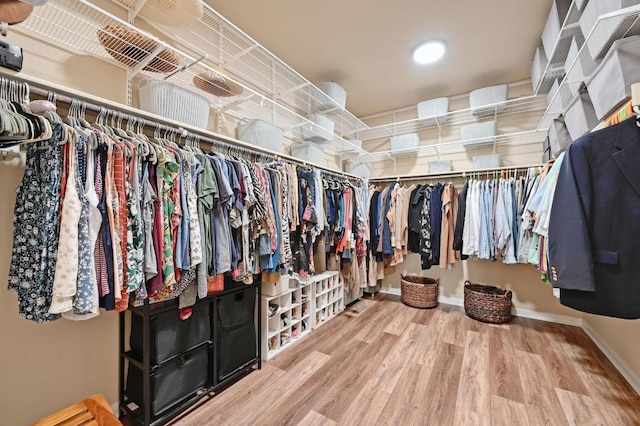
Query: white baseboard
{"points": [[115, 407], [520, 312], [621, 366]]}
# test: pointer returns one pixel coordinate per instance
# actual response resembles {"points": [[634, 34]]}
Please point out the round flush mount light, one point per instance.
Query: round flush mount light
{"points": [[429, 52]]}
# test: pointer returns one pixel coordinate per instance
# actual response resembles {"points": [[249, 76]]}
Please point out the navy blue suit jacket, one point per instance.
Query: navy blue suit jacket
{"points": [[594, 230]]}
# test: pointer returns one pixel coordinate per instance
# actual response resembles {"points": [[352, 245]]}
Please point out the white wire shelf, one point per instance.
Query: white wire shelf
{"points": [[443, 148], [454, 118], [556, 58], [231, 49], [84, 28], [608, 28]]}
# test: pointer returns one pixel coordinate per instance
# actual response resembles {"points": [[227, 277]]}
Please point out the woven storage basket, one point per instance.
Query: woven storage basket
{"points": [[404, 144], [419, 292], [335, 92], [174, 102], [308, 151], [260, 133], [131, 47], [487, 303], [433, 111], [320, 131], [478, 134], [488, 100], [486, 161]]}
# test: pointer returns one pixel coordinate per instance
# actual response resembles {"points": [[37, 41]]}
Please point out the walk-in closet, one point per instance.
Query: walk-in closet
{"points": [[335, 213]]}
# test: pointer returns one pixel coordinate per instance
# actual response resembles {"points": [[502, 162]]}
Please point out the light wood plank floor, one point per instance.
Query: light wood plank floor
{"points": [[381, 362]]}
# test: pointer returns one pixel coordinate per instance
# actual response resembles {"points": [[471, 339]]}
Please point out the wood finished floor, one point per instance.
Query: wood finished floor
{"points": [[382, 363]]}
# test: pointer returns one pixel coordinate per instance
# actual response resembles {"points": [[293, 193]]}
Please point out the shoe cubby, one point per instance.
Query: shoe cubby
{"points": [[329, 297], [292, 318]]}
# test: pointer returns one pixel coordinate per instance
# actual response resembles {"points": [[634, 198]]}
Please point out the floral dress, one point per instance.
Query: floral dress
{"points": [[36, 229]]}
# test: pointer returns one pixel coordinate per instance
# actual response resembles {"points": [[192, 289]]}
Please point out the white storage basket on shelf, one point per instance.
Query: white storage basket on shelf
{"points": [[488, 100], [308, 151], [174, 102], [320, 129], [407, 144], [332, 90], [611, 84], [433, 111], [359, 168], [260, 133], [439, 166], [551, 31], [488, 161], [608, 30], [478, 134], [580, 117]]}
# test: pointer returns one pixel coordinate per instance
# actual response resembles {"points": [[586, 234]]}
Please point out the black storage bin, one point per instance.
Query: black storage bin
{"points": [[236, 332], [169, 335], [172, 381]]}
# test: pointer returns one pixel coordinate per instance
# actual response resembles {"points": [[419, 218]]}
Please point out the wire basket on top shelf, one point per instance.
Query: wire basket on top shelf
{"points": [[419, 292], [488, 161], [487, 303], [174, 102]]}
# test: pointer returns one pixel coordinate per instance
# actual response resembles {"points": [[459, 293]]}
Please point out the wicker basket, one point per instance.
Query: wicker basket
{"points": [[419, 292], [487, 303]]}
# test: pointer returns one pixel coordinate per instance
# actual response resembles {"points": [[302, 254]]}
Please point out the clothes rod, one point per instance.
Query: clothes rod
{"points": [[42, 89], [452, 174]]}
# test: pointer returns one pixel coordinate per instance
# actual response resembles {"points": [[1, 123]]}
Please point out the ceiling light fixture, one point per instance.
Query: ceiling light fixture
{"points": [[429, 52]]}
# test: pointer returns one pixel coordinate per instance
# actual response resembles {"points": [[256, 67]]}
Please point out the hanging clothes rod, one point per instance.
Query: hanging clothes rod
{"points": [[65, 96], [456, 174]]}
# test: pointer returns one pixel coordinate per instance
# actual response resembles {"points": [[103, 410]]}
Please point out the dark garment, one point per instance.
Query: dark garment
{"points": [[414, 220], [595, 223], [373, 222], [426, 251], [436, 221], [107, 301], [462, 209], [387, 248]]}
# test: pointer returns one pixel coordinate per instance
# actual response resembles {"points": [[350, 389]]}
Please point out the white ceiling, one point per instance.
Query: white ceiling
{"points": [[365, 45]]}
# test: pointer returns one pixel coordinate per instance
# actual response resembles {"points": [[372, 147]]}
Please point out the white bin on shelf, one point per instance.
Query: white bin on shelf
{"points": [[580, 117], [359, 168], [611, 84], [555, 20], [433, 111], [487, 161], [404, 144], [488, 100], [260, 133], [308, 151], [335, 92], [607, 30], [320, 129], [439, 166], [174, 102], [478, 134]]}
